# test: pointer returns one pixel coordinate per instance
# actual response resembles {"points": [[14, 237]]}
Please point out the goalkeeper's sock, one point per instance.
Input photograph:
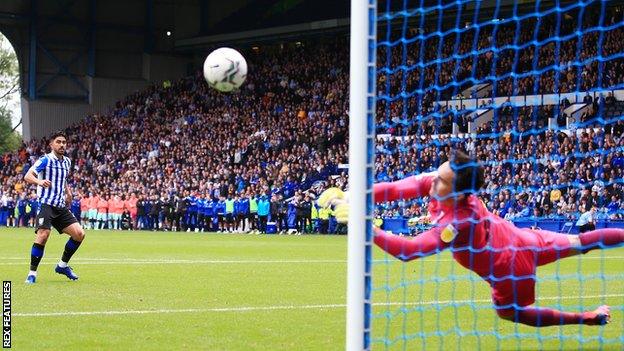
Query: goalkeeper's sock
{"points": [[601, 237], [70, 248], [544, 317]]}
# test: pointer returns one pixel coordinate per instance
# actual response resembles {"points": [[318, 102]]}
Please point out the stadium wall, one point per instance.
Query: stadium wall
{"points": [[40, 117]]}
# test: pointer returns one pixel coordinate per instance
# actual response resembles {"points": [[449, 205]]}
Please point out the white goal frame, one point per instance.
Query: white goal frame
{"points": [[362, 77]]}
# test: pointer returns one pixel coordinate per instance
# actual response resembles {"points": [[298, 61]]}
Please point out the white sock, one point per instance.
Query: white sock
{"points": [[32, 273], [62, 264]]}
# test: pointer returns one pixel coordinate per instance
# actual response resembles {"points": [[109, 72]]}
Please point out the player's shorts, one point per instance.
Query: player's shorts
{"points": [[519, 291], [52, 216], [102, 216], [84, 214], [540, 248], [93, 214], [229, 218]]}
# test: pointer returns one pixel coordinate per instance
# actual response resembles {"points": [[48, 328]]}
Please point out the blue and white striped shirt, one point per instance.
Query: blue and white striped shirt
{"points": [[55, 170]]}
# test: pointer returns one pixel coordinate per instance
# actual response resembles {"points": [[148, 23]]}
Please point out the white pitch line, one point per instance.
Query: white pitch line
{"points": [[140, 262], [187, 310], [107, 261], [283, 307]]}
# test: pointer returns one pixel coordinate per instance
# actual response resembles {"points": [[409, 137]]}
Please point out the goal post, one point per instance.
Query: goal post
{"points": [[362, 73]]}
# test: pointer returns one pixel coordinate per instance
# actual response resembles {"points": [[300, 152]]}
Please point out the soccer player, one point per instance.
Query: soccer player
{"points": [[102, 211], [75, 207], [220, 212], [191, 210], [253, 212], [243, 213], [201, 212], [502, 254], [10, 208], [22, 203], [116, 208], [49, 173], [131, 205], [93, 212], [34, 209], [84, 211], [237, 213], [209, 214], [229, 213]]}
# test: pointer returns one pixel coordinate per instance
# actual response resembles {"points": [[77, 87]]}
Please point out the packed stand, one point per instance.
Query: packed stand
{"points": [[430, 68], [184, 157]]}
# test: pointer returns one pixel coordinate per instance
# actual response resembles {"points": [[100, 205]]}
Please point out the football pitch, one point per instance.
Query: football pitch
{"points": [[191, 291]]}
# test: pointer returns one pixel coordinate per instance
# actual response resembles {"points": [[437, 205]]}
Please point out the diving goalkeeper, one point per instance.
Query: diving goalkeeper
{"points": [[502, 254]]}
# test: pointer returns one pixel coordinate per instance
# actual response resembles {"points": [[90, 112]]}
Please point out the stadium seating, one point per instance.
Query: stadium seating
{"points": [[287, 129]]}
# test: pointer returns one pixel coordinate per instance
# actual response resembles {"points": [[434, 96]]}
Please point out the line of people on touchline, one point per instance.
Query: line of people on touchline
{"points": [[194, 212]]}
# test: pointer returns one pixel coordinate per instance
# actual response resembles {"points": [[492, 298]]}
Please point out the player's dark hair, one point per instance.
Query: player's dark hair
{"points": [[468, 172], [57, 134]]}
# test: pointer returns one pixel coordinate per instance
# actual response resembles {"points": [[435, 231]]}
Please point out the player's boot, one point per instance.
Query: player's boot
{"points": [[67, 271], [31, 279]]}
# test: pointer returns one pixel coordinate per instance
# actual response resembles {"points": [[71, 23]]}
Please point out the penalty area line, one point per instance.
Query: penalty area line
{"points": [[279, 307]]}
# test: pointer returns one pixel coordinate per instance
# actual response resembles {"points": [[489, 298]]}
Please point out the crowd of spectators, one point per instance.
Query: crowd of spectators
{"points": [[191, 156], [516, 57], [542, 175], [283, 131], [531, 170]]}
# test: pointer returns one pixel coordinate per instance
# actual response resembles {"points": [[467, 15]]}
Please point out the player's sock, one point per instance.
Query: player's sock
{"points": [[70, 247], [596, 238], [543, 317], [36, 253]]}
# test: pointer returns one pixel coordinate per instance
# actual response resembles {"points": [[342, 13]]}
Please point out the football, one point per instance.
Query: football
{"points": [[225, 69]]}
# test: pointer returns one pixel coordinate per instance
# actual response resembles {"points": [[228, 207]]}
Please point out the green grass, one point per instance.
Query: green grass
{"points": [[154, 291]]}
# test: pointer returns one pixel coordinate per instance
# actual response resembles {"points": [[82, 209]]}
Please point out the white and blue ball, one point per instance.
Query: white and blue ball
{"points": [[225, 69]]}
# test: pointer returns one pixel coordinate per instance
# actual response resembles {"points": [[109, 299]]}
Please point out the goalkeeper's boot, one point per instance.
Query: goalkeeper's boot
{"points": [[66, 271]]}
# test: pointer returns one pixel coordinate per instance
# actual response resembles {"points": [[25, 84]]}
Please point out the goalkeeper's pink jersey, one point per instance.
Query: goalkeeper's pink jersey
{"points": [[481, 241]]}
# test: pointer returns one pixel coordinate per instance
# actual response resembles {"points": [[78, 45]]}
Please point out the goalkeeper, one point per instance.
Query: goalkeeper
{"points": [[502, 254]]}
